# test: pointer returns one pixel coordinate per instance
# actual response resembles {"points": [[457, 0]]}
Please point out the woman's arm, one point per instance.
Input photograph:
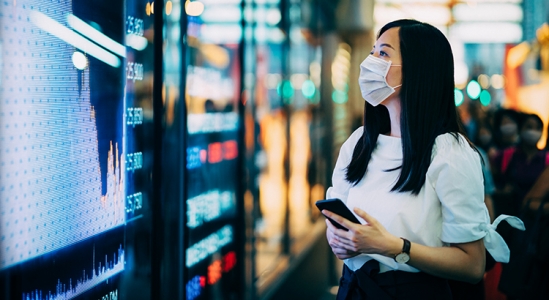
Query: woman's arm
{"points": [[464, 262]]}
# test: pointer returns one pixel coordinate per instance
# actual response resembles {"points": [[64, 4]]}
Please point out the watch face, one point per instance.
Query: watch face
{"points": [[402, 258]]}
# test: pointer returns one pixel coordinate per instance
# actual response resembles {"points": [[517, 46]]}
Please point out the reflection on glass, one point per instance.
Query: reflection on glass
{"points": [[213, 174], [271, 151], [300, 220]]}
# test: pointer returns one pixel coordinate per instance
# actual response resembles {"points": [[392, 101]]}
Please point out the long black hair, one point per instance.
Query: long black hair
{"points": [[427, 103]]}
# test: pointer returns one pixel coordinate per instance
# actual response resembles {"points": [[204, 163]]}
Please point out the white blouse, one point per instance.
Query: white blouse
{"points": [[449, 208]]}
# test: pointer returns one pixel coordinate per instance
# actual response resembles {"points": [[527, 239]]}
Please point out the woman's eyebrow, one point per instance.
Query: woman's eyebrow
{"points": [[388, 45], [384, 45]]}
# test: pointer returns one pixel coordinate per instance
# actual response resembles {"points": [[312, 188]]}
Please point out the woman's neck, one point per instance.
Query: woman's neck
{"points": [[393, 106]]}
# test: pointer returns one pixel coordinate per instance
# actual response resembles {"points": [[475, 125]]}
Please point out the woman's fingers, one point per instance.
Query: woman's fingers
{"points": [[335, 239], [340, 237], [343, 253], [364, 215], [367, 238], [334, 229], [338, 219]]}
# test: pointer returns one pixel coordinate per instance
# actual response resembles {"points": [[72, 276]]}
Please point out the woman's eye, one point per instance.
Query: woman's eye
{"points": [[382, 53]]}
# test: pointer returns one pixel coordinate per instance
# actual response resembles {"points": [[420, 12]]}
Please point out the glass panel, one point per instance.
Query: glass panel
{"points": [[213, 201], [271, 153], [173, 215], [299, 57]]}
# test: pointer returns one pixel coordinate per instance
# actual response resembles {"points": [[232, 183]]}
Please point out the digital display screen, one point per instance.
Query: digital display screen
{"points": [[75, 105], [213, 171]]}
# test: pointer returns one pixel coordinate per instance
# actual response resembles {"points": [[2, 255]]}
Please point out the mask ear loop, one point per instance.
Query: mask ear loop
{"points": [[394, 87]]}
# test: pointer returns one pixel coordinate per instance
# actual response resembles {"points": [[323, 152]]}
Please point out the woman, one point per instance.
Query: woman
{"points": [[411, 176]]}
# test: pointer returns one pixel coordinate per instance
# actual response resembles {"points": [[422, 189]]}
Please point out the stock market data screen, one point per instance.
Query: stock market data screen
{"points": [[213, 257], [75, 155]]}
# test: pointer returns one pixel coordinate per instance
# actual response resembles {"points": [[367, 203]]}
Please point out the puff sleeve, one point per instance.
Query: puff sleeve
{"points": [[456, 175]]}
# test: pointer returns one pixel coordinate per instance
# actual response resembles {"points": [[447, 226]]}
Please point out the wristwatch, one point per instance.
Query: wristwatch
{"points": [[404, 256]]}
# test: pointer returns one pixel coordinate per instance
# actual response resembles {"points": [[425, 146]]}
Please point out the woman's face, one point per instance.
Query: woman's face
{"points": [[387, 47]]}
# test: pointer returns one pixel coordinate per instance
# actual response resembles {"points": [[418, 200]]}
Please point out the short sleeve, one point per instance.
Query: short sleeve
{"points": [[340, 186], [456, 175]]}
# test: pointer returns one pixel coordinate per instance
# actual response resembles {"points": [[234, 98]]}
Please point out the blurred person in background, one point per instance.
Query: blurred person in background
{"points": [[412, 176], [505, 128], [484, 139], [468, 119], [538, 192], [518, 167], [527, 180]]}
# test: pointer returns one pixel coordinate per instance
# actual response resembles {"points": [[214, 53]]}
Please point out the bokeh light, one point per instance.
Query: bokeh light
{"points": [[169, 7], [484, 81], [79, 60], [458, 97], [497, 81], [485, 98], [339, 97], [308, 89], [473, 89], [194, 8], [285, 90]]}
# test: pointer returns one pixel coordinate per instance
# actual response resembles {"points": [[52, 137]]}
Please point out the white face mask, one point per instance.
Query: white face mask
{"points": [[508, 129], [373, 80], [530, 137]]}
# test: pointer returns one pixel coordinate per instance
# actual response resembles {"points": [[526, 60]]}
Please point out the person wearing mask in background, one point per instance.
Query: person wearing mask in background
{"points": [[412, 178], [505, 128], [484, 140], [525, 174], [516, 168]]}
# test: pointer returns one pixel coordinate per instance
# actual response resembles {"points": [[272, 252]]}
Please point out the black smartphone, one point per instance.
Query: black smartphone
{"points": [[338, 207]]}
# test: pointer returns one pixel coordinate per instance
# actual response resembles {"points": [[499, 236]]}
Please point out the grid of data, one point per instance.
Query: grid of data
{"points": [[50, 179]]}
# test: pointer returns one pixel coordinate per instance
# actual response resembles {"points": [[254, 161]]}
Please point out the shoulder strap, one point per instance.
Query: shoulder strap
{"points": [[506, 159]]}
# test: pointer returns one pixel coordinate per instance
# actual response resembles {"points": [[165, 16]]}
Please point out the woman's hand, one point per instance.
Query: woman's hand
{"points": [[371, 238], [339, 252]]}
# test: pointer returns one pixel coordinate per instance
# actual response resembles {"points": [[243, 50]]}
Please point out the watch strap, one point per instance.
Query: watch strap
{"points": [[406, 246]]}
